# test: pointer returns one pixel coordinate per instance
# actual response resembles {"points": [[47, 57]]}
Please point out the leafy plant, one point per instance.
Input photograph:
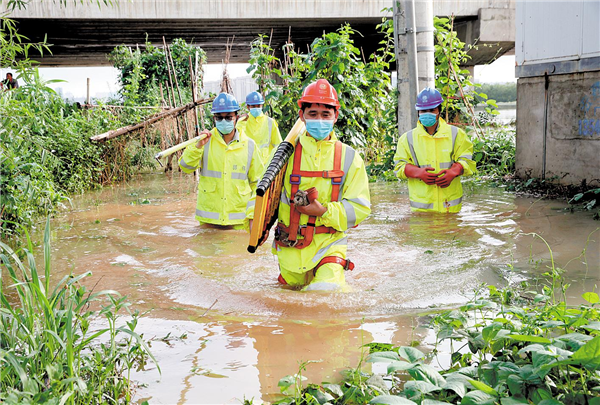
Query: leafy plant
{"points": [[143, 69], [588, 200], [451, 80], [51, 349], [495, 152], [368, 102], [508, 346]]}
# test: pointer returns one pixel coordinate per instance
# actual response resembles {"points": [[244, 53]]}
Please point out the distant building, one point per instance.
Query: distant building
{"points": [[558, 90], [241, 87]]}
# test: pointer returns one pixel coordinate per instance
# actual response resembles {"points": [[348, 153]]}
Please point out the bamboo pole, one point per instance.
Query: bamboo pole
{"points": [[193, 85], [171, 113]]}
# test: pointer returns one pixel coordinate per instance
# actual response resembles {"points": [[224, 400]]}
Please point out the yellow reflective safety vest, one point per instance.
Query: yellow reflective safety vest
{"points": [[352, 207], [441, 150], [263, 130], [228, 177]]}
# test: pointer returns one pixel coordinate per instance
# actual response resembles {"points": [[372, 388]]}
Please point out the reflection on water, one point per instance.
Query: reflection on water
{"points": [[243, 332]]}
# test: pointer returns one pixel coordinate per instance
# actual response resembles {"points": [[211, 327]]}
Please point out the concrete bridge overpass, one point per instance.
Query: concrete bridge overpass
{"points": [[82, 34]]}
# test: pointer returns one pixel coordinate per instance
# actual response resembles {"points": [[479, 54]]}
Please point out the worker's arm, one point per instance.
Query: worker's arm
{"points": [[192, 154], [275, 135], [463, 153]]}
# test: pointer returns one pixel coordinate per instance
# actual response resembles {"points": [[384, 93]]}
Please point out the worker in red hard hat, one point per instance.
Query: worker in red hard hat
{"points": [[310, 240], [432, 157]]}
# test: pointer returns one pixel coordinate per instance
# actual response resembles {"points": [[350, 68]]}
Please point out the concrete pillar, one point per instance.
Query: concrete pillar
{"points": [[413, 29], [425, 47], [406, 64]]}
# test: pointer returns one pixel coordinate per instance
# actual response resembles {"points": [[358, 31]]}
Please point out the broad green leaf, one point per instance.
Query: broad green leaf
{"points": [[385, 357], [433, 402], [515, 384], [591, 297], [489, 332], [335, 389], [399, 366], [478, 398], [419, 388], [539, 395], [551, 324], [589, 354], [513, 401], [592, 326], [575, 340], [456, 383], [424, 372], [529, 338], [391, 400], [550, 401], [410, 353], [483, 387], [322, 397]]}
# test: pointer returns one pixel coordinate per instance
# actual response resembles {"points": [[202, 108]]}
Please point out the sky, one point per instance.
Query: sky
{"points": [[103, 80]]}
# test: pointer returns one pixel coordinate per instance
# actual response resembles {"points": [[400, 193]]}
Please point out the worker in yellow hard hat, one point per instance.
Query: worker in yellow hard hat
{"points": [[230, 166], [258, 127], [325, 193], [432, 157]]}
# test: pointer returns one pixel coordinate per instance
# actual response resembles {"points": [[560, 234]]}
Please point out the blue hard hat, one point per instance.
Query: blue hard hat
{"points": [[428, 98], [224, 103], [254, 98]]}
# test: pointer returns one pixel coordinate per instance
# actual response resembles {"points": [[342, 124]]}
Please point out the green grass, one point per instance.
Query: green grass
{"points": [[62, 343]]}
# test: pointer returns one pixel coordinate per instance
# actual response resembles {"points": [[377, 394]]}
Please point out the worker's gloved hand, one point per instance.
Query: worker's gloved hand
{"points": [[426, 174], [314, 209], [446, 176], [203, 142]]}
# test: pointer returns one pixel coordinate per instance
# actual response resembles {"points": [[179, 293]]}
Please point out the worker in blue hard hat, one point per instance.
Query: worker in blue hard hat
{"points": [[257, 126], [432, 157], [230, 166]]}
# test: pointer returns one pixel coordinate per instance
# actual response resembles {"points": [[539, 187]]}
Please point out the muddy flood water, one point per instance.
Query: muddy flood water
{"points": [[232, 332]]}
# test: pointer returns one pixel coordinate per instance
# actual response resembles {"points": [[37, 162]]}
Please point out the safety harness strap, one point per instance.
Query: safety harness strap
{"points": [[345, 263], [336, 175]]}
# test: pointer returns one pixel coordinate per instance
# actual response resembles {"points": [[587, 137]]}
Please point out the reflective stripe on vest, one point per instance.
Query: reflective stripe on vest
{"points": [[250, 153], [348, 159], [207, 214], [321, 252], [237, 215], [350, 213], [452, 203], [424, 206], [361, 201], [409, 138], [205, 172], [266, 144], [185, 165]]}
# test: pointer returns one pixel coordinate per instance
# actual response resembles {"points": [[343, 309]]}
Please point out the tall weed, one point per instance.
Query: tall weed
{"points": [[62, 343]]}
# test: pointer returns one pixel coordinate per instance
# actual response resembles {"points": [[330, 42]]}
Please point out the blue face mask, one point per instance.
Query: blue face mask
{"points": [[428, 119], [319, 129], [225, 127], [256, 111]]}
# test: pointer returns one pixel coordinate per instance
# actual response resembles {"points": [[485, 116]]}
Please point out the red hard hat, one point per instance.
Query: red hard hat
{"points": [[320, 92]]}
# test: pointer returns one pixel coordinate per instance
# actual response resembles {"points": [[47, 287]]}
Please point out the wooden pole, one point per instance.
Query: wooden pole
{"points": [[171, 113], [170, 58], [193, 85]]}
